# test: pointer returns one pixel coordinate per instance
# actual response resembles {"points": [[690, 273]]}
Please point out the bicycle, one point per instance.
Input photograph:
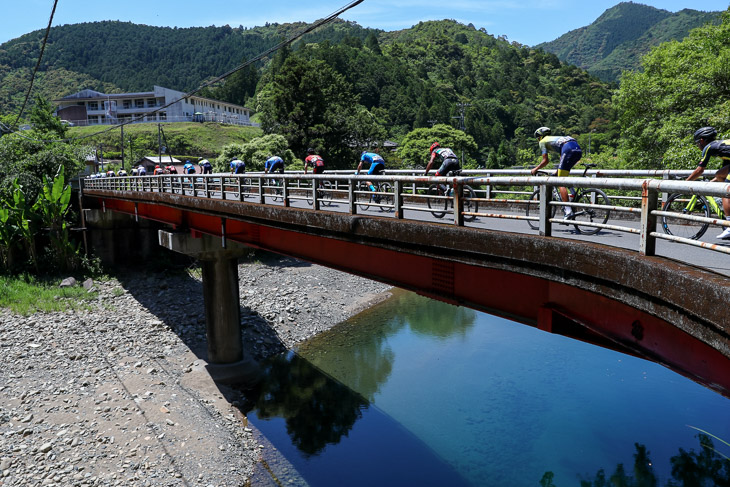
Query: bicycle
{"points": [[324, 193], [689, 205], [581, 212], [382, 196], [441, 196], [276, 192]]}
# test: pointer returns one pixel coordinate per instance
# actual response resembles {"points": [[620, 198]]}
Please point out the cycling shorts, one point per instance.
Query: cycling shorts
{"points": [[570, 154], [277, 167], [376, 168], [317, 169], [448, 166]]}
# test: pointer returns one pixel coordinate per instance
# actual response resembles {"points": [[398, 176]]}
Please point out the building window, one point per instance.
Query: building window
{"points": [[139, 103], [163, 116], [151, 102], [127, 104], [92, 119], [93, 105]]}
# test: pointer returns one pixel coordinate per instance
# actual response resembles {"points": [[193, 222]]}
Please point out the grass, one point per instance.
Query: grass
{"points": [[25, 295]]}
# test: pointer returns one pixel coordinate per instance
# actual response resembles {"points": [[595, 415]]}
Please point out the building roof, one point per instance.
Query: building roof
{"points": [[164, 160]]}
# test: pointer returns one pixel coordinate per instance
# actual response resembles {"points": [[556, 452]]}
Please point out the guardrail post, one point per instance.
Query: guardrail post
{"points": [[352, 197], [458, 203], [649, 198], [241, 197], [261, 190], [488, 189], [315, 196], [285, 192], [398, 201], [546, 227]]}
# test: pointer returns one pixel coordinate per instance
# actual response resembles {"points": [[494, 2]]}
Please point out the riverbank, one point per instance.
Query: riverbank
{"points": [[118, 394]]}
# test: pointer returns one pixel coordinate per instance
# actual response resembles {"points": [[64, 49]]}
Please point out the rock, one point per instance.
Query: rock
{"points": [[68, 282], [88, 284]]}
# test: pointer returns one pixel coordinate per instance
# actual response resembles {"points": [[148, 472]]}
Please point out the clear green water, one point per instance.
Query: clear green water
{"points": [[417, 392]]}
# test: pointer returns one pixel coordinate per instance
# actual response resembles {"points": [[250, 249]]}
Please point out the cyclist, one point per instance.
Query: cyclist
{"points": [[188, 168], [315, 161], [237, 166], [377, 167], [274, 164], [705, 138], [158, 170], [121, 172], [135, 171], [447, 158], [171, 169], [206, 167], [570, 153], [141, 171]]}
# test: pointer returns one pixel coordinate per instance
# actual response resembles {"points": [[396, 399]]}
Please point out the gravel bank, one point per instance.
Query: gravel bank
{"points": [[119, 395]]}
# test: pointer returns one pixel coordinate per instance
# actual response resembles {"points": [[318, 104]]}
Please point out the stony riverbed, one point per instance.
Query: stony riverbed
{"points": [[118, 394]]}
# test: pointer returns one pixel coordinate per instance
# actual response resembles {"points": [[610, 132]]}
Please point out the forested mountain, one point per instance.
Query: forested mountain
{"points": [[618, 39], [120, 56], [351, 83]]}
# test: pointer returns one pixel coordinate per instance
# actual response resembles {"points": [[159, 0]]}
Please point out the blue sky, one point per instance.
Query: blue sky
{"points": [[526, 21]]}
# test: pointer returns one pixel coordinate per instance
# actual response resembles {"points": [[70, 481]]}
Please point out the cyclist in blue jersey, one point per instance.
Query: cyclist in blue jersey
{"points": [[705, 138], [449, 161], [188, 168], [570, 153], [237, 166], [274, 164], [377, 167], [141, 171]]}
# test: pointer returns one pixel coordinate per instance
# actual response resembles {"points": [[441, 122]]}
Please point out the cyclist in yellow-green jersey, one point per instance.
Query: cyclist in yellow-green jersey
{"points": [[705, 138]]}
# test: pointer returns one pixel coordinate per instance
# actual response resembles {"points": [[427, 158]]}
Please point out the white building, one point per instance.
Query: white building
{"points": [[89, 107]]}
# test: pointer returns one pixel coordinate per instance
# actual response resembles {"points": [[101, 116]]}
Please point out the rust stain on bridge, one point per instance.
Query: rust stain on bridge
{"points": [[651, 307]]}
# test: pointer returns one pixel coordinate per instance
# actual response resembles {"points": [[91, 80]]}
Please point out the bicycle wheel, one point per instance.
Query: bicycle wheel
{"points": [[533, 209], [591, 215], [436, 204], [363, 195], [386, 199], [278, 194], [685, 204], [325, 193], [470, 205]]}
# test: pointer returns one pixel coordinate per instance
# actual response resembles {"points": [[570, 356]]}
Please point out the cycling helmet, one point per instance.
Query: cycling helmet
{"points": [[542, 132], [310, 151], [707, 133], [434, 146]]}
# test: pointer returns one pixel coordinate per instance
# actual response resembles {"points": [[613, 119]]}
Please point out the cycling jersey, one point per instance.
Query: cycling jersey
{"points": [[316, 162], [274, 164], [716, 148], [444, 153], [449, 161], [188, 169], [569, 150], [206, 166], [172, 169], [238, 167], [141, 171], [377, 163]]}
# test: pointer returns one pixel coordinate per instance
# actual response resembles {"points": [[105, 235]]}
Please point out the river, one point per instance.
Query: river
{"points": [[418, 392]]}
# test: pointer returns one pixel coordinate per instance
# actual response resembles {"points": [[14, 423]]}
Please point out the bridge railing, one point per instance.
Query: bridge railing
{"points": [[464, 201]]}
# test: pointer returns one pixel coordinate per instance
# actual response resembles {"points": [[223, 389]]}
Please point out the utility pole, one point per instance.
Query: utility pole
{"points": [[433, 122], [131, 153], [462, 124], [159, 142], [122, 139]]}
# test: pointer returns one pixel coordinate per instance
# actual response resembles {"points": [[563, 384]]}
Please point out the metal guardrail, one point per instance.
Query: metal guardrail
{"points": [[460, 198]]}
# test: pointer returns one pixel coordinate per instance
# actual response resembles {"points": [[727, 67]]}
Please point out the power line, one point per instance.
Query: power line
{"points": [[290, 40], [38, 64]]}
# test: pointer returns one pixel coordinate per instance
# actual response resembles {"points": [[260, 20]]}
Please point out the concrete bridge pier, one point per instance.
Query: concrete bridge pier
{"points": [[220, 294]]}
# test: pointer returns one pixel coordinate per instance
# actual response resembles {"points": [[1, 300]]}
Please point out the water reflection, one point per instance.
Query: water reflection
{"points": [[317, 409], [708, 467], [448, 394]]}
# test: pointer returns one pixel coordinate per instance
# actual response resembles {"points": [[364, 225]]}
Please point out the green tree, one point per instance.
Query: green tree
{"points": [[255, 153], [413, 151], [683, 86], [43, 120], [312, 106]]}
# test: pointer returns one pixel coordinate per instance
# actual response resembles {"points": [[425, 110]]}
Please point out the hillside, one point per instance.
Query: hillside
{"points": [[621, 35], [401, 80], [114, 57]]}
